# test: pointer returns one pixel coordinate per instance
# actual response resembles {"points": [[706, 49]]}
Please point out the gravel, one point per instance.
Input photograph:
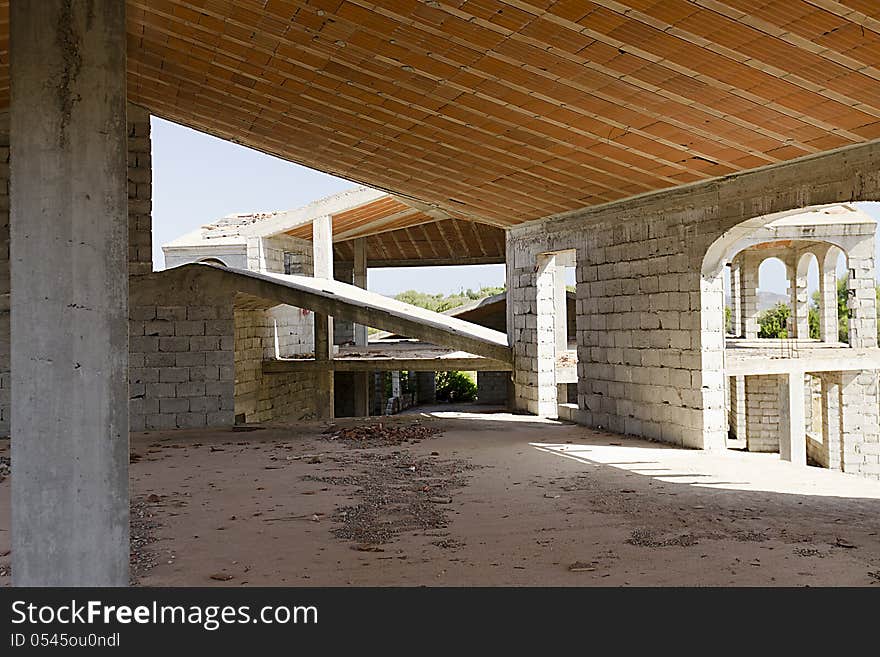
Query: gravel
{"points": [[397, 492]]}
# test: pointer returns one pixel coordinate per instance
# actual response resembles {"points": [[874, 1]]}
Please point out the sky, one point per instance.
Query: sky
{"points": [[198, 178]]}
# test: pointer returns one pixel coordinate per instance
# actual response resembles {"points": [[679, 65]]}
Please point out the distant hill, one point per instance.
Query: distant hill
{"points": [[767, 300]]}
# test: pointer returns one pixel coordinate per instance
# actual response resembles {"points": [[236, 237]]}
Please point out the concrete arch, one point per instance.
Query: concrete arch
{"points": [[212, 261]]}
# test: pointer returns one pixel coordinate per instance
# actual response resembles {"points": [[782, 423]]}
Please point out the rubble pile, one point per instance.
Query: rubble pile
{"points": [[5, 467], [381, 434]]}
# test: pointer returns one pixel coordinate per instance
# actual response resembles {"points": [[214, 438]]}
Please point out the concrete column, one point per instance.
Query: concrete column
{"points": [[831, 421], [322, 262], [69, 301], [395, 384], [862, 297], [828, 319], [792, 424], [791, 273], [800, 298], [736, 309], [359, 279], [560, 308], [545, 332], [749, 276]]}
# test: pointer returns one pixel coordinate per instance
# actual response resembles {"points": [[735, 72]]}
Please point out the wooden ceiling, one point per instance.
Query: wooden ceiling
{"points": [[384, 214], [510, 110], [444, 242]]}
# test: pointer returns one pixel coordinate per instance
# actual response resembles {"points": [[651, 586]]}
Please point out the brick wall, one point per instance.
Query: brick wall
{"points": [[140, 192], [493, 387], [181, 364]]}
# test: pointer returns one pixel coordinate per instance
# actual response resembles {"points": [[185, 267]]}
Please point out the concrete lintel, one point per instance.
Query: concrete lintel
{"points": [[850, 360]]}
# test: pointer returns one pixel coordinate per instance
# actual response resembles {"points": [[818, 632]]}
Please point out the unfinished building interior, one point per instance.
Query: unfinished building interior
{"points": [[648, 147]]}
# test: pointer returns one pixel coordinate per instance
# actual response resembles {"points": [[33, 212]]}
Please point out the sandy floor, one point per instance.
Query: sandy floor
{"points": [[260, 508]]}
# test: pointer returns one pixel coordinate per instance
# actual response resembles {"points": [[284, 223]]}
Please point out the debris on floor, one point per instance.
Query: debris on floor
{"points": [[381, 434], [396, 492], [143, 522]]}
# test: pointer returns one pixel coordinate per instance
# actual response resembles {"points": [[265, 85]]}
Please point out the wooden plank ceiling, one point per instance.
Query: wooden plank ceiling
{"points": [[510, 110], [443, 242]]}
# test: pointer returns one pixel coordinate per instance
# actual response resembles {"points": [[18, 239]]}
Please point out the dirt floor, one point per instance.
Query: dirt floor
{"points": [[471, 498]]}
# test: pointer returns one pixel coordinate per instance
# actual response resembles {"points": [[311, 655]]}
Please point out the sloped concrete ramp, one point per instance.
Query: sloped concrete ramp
{"points": [[339, 300]]}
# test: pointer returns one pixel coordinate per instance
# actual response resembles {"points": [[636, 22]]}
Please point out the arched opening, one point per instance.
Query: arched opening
{"points": [[803, 278], [773, 299], [213, 261]]}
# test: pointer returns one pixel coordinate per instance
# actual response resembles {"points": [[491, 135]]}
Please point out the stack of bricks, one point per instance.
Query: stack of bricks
{"points": [[181, 364]]}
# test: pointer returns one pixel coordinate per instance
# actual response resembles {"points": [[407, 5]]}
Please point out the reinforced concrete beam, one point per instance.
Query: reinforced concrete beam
{"points": [[336, 299]]}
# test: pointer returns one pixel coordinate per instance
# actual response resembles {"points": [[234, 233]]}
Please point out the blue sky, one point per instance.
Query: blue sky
{"points": [[198, 179]]}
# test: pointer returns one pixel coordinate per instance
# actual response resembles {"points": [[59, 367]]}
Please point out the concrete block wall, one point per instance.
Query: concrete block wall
{"points": [[763, 412], [493, 387], [271, 397], [426, 387], [860, 422], [638, 319], [736, 413], [650, 294], [140, 192], [294, 327], [181, 365]]}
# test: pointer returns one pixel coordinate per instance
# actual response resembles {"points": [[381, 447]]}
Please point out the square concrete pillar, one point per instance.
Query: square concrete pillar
{"points": [[322, 262], [828, 319], [359, 279], [736, 301], [792, 423], [69, 293], [749, 295], [862, 298], [831, 420]]}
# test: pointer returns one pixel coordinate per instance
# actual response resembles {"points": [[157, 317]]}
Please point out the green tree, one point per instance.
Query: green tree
{"points": [[441, 302], [455, 387], [772, 322]]}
